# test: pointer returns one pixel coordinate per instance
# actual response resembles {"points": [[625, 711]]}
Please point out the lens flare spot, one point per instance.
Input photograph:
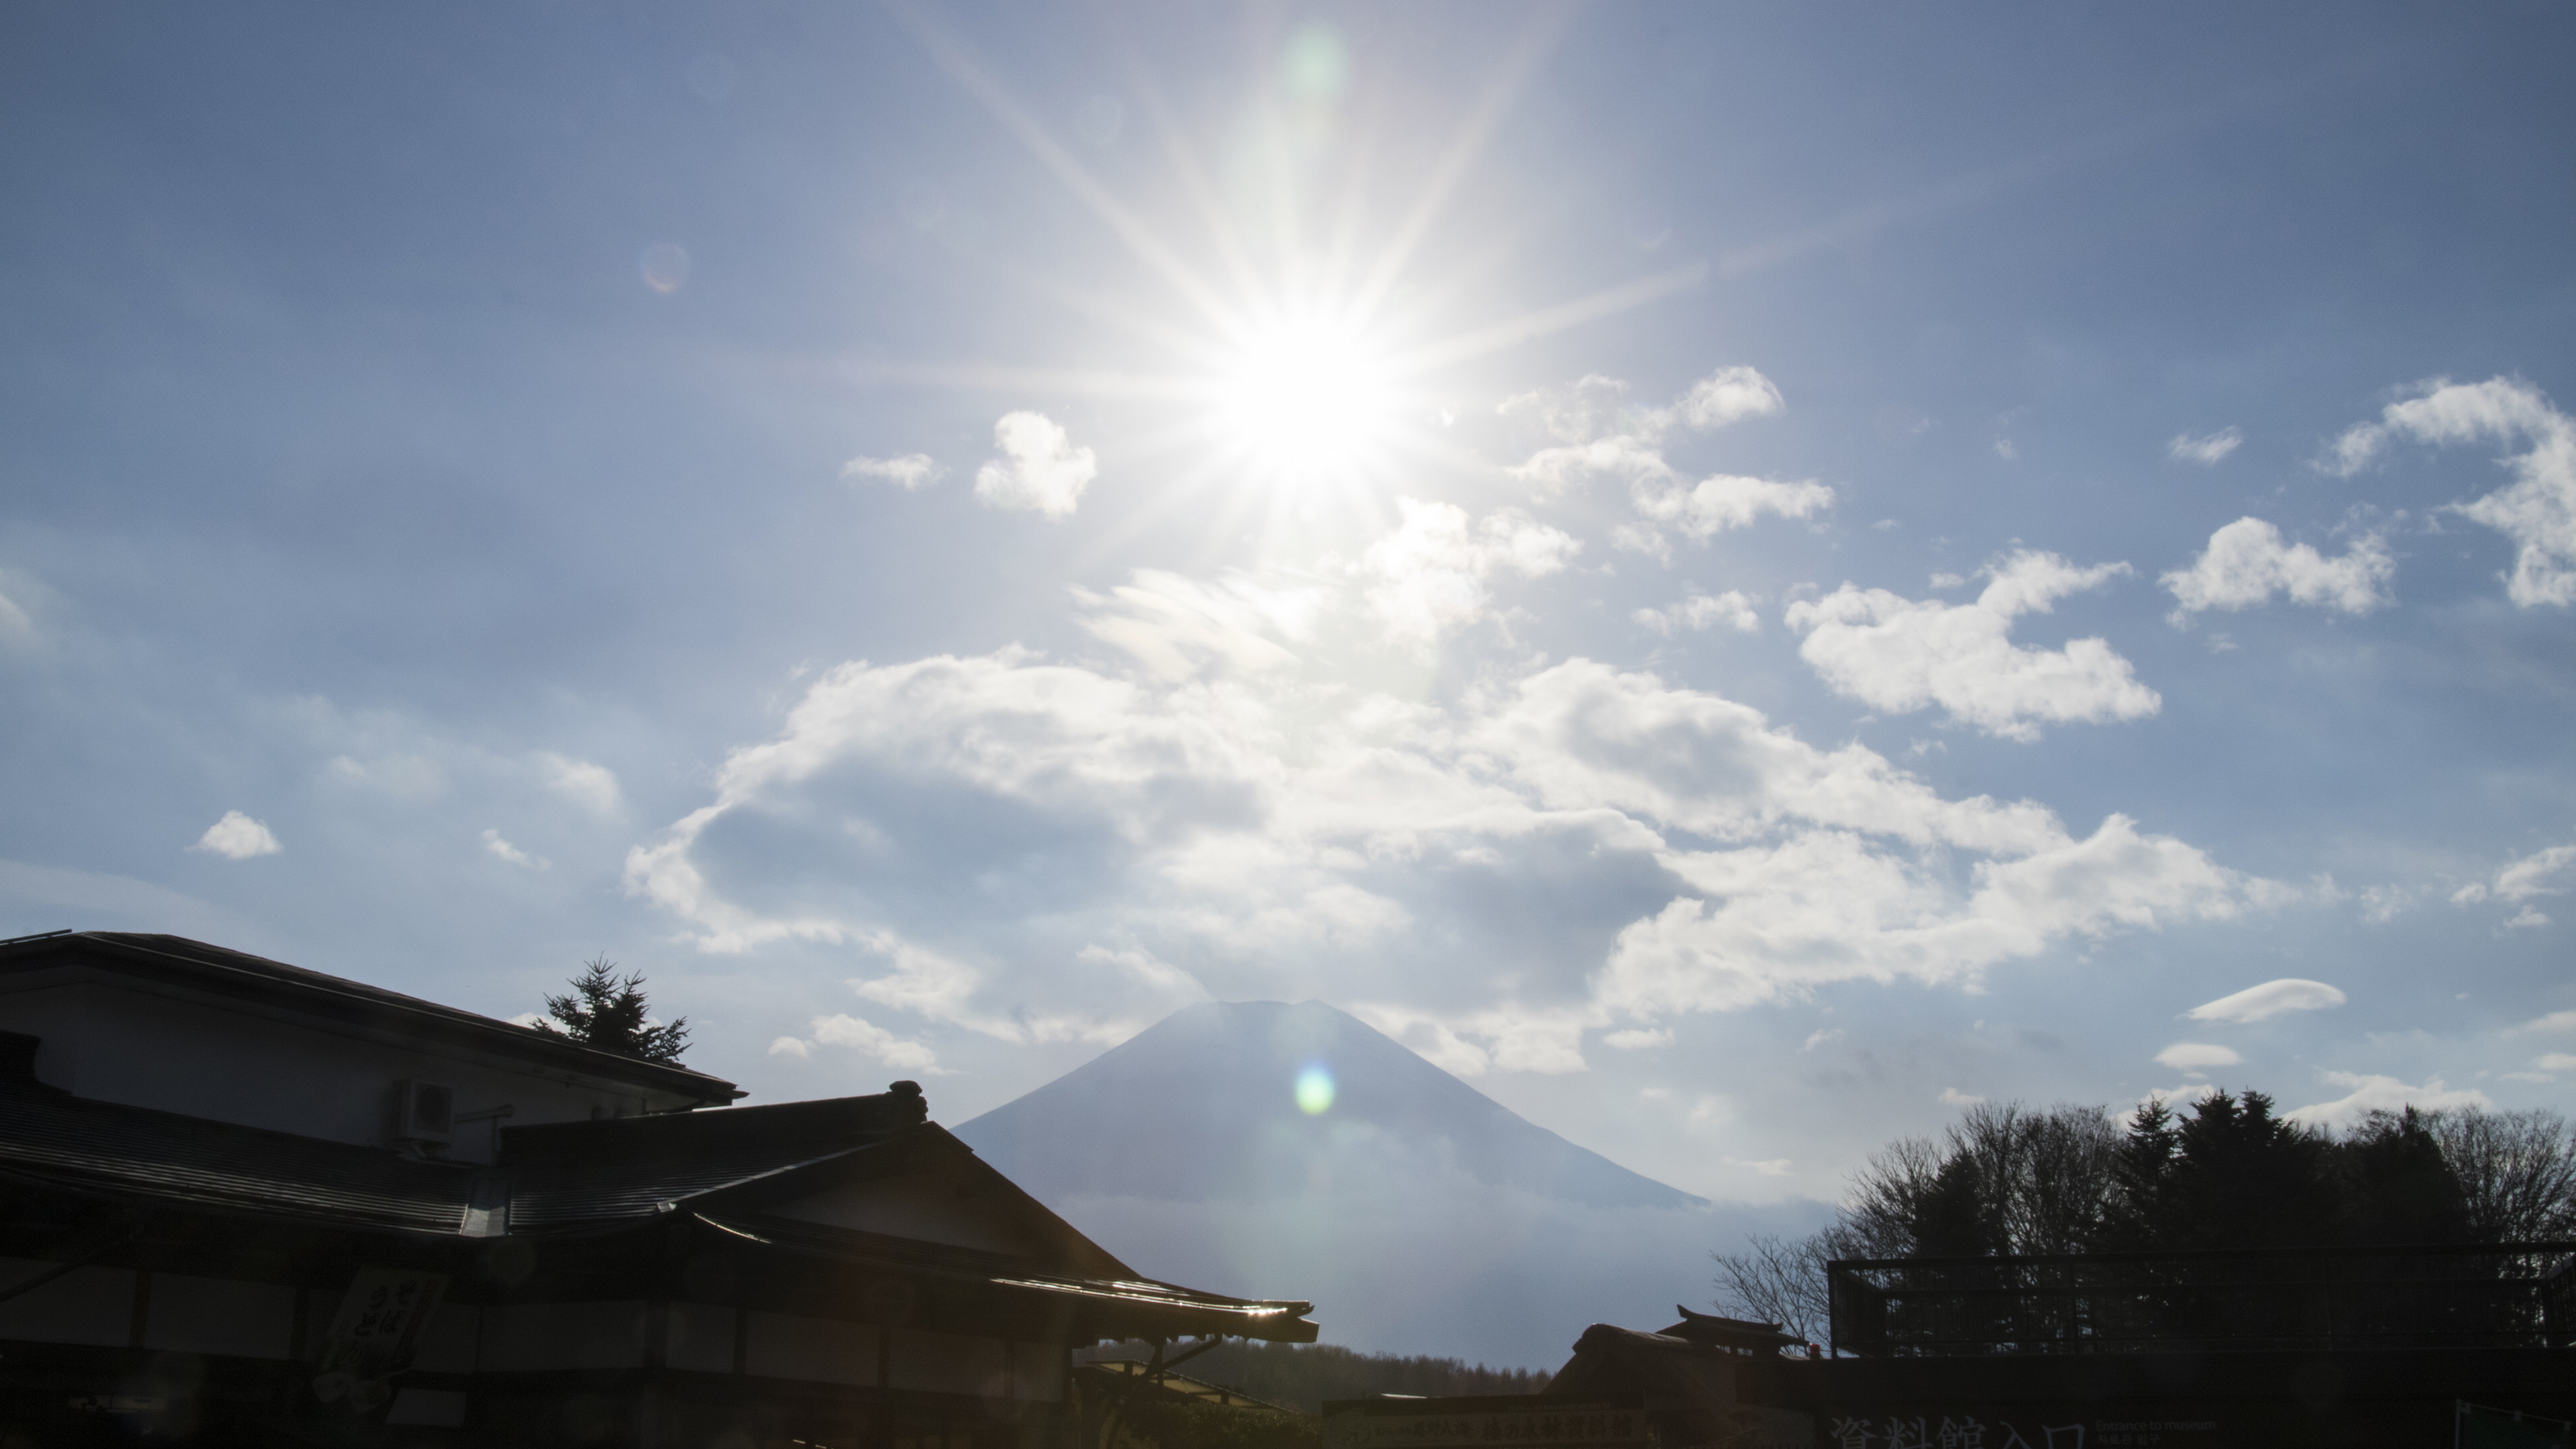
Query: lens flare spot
{"points": [[1315, 1090], [665, 266]]}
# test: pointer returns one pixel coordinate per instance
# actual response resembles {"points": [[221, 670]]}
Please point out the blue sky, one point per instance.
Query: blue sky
{"points": [[1739, 575]]}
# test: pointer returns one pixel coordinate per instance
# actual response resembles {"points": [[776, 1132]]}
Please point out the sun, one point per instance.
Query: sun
{"points": [[1305, 396]]}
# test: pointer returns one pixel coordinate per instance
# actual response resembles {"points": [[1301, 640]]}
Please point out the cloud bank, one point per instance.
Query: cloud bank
{"points": [[995, 840]]}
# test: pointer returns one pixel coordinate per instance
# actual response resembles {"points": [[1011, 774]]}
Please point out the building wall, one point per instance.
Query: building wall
{"points": [[109, 1041], [183, 1313]]}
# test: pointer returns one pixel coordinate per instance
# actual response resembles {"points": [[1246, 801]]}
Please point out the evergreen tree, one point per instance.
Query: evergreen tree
{"points": [[2230, 1175], [611, 1014], [2400, 1188]]}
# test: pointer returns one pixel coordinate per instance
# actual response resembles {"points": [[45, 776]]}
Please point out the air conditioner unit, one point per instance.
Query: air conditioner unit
{"points": [[424, 1113]]}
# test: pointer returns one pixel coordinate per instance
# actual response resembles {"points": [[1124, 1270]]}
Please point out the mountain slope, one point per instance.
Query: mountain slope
{"points": [[1203, 1106], [1416, 1213]]}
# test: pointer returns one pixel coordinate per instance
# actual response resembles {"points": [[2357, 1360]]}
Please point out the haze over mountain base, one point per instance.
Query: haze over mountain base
{"points": [[1416, 1213]]}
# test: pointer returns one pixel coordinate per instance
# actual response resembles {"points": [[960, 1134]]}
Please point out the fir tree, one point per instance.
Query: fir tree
{"points": [[611, 1014]]}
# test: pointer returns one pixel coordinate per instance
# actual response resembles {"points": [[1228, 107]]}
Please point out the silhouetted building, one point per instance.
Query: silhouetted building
{"points": [[249, 1203]]}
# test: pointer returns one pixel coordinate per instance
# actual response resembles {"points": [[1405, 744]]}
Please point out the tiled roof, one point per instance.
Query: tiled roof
{"points": [[574, 1174], [134, 1152], [181, 961], [560, 1176], [1146, 1305]]}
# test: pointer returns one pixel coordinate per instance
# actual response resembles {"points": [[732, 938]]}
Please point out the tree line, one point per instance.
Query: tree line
{"points": [[2010, 1180]]}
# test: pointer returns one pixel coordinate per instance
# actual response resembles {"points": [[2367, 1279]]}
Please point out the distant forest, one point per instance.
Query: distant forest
{"points": [[2012, 1180], [1302, 1376]]}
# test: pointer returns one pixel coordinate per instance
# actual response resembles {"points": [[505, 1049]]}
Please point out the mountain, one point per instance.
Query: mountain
{"points": [[1418, 1214]]}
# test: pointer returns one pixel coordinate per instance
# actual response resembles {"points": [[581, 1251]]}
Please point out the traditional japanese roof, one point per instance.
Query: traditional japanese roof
{"points": [[570, 1175], [1113, 1307], [587, 1174], [177, 963], [1740, 1334], [106, 1149], [721, 1168]]}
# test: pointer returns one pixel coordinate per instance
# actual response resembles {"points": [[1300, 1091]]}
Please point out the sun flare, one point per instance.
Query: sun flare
{"points": [[1305, 396]]}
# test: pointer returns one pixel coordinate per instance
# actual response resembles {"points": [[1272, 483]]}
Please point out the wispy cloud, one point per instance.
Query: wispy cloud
{"points": [[2194, 1056], [502, 849], [2370, 1093], [2204, 450], [909, 472], [2541, 873], [1734, 609]]}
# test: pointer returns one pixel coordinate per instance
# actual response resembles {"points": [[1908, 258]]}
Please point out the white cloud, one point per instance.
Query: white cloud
{"points": [[2203, 450], [2370, 1094], [1726, 501], [2381, 904], [2272, 998], [791, 1046], [1575, 413], [1256, 824], [15, 626], [1596, 407], [900, 1053], [1900, 655], [1638, 1039], [503, 849], [2541, 873], [1147, 969], [593, 787], [1040, 469], [2537, 510], [1822, 1035], [909, 472], [1599, 438], [2556, 1062], [1953, 1097], [1429, 574], [2553, 1022], [2527, 919], [1734, 608], [2246, 563], [1767, 1167], [2193, 1056], [237, 837], [1730, 394]]}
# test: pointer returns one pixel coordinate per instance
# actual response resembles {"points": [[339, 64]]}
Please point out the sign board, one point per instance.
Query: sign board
{"points": [[2074, 1429], [373, 1335], [1397, 1424]]}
